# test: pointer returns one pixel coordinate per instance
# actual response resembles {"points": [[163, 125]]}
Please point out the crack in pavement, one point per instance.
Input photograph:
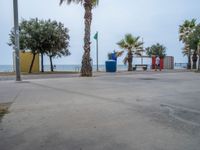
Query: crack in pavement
{"points": [[186, 115]]}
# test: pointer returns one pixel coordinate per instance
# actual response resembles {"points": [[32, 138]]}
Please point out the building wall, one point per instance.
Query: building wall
{"points": [[25, 62], [169, 62], [166, 63]]}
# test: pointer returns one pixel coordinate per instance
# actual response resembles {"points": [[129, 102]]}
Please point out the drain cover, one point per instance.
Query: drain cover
{"points": [[22, 81], [147, 78]]}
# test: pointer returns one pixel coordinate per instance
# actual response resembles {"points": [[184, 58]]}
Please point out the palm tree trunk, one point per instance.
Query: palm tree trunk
{"points": [[130, 60], [86, 69], [32, 62], [189, 60], [51, 63], [194, 59], [42, 62], [199, 62]]}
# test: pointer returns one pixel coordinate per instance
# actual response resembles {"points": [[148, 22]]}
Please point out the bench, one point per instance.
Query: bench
{"points": [[143, 66]]}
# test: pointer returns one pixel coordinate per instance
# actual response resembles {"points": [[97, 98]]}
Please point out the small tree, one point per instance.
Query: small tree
{"points": [[133, 47], [156, 50], [42, 37], [29, 37], [57, 41]]}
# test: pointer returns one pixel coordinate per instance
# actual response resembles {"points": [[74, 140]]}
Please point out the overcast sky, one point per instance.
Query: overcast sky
{"points": [[153, 20]]}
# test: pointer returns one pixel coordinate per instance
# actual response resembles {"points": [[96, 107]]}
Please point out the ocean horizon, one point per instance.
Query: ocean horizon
{"points": [[75, 68]]}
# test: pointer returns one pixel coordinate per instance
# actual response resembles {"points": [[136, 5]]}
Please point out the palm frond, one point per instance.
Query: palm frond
{"points": [[138, 53], [71, 1], [186, 29], [129, 39], [122, 44], [94, 2], [119, 53], [125, 60]]}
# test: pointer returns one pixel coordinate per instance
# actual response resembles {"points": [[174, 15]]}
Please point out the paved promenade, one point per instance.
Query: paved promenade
{"points": [[122, 111]]}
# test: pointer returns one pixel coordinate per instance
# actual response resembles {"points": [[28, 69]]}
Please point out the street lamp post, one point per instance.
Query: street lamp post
{"points": [[16, 31], [198, 50]]}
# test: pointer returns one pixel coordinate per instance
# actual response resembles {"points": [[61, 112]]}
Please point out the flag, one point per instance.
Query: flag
{"points": [[96, 36]]}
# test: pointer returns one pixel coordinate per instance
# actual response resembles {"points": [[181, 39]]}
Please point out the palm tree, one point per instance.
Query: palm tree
{"points": [[86, 69], [184, 31], [156, 50], [133, 46], [193, 42]]}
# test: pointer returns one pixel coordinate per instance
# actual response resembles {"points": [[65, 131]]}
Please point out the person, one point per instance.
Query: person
{"points": [[157, 63]]}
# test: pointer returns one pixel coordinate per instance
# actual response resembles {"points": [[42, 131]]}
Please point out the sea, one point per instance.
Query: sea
{"points": [[76, 68], [73, 68]]}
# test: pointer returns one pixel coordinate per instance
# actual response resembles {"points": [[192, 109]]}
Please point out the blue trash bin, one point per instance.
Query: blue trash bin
{"points": [[111, 66]]}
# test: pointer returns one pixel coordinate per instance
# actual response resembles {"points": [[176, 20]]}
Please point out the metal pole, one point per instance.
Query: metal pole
{"points": [[142, 51], [97, 46], [198, 47], [16, 30]]}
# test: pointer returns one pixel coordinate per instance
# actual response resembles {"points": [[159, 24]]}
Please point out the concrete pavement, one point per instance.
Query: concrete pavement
{"points": [[39, 76], [127, 111]]}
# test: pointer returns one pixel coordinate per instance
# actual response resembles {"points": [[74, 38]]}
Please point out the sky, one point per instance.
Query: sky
{"points": [[155, 21]]}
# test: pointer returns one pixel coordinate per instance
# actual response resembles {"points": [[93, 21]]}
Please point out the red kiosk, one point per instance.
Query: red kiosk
{"points": [[154, 62]]}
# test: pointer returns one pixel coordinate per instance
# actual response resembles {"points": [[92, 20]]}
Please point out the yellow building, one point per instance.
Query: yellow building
{"points": [[25, 62]]}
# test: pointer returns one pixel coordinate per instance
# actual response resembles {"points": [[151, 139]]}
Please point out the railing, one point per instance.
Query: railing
{"points": [[77, 69], [180, 65]]}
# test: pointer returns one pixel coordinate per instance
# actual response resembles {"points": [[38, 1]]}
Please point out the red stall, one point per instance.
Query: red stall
{"points": [[154, 62]]}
